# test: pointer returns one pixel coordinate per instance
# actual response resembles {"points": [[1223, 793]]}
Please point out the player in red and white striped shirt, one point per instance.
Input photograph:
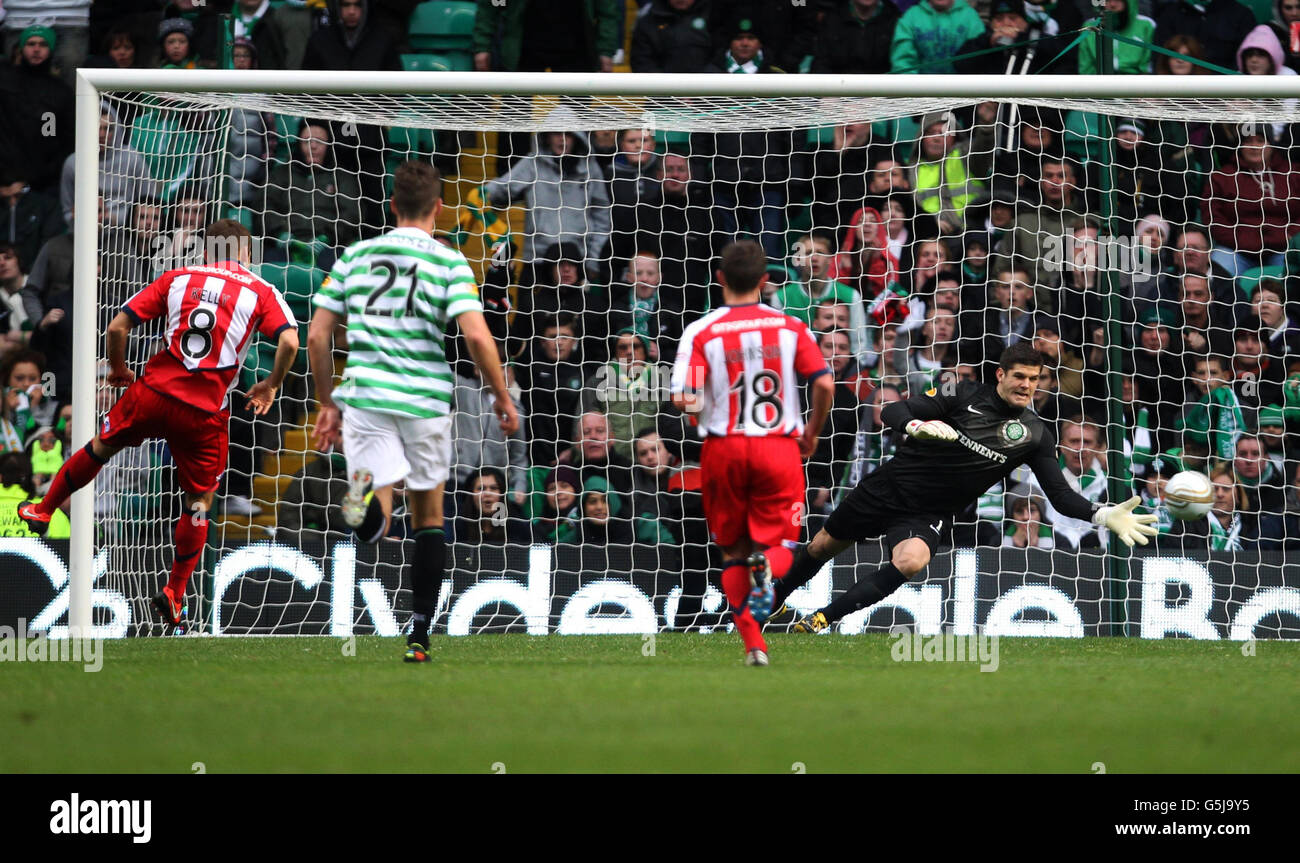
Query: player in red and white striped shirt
{"points": [[212, 312], [737, 372]]}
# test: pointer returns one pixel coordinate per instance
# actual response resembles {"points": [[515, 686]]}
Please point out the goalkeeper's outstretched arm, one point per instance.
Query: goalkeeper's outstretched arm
{"points": [[1118, 518], [921, 417]]}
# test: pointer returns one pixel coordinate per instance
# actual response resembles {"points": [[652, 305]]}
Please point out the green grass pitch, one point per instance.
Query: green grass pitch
{"points": [[522, 704]]}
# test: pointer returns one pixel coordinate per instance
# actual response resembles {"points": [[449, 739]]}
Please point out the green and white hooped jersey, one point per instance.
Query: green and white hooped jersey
{"points": [[398, 293]]}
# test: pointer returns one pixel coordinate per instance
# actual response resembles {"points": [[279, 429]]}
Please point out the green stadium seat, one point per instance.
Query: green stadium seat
{"points": [[447, 61], [666, 139], [443, 25], [1264, 9], [1249, 280]]}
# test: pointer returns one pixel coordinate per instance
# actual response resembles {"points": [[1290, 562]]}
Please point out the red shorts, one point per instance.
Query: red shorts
{"points": [[752, 487], [199, 440]]}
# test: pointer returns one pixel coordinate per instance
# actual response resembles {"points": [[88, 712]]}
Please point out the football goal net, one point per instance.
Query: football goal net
{"points": [[1143, 232]]}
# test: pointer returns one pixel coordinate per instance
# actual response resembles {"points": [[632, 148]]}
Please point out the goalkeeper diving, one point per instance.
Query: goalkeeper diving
{"points": [[958, 443]]}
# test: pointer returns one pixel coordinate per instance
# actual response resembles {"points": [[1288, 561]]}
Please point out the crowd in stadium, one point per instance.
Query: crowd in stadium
{"points": [[916, 249]]}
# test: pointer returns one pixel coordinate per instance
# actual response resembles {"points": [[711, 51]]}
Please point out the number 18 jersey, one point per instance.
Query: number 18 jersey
{"points": [[745, 363], [398, 293], [212, 313]]}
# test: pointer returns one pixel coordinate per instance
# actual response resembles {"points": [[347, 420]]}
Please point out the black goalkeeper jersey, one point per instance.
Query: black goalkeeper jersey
{"points": [[994, 439]]}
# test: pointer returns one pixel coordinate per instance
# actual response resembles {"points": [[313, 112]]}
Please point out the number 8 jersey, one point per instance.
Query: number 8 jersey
{"points": [[212, 312], [745, 363], [398, 293]]}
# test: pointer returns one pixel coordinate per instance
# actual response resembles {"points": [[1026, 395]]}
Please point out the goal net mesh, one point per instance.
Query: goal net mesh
{"points": [[1144, 244]]}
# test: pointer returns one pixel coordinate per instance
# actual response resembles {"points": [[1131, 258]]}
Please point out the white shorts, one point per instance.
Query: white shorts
{"points": [[394, 447]]}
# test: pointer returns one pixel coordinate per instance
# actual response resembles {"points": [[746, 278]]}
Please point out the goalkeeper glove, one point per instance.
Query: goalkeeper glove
{"points": [[930, 430], [1120, 520]]}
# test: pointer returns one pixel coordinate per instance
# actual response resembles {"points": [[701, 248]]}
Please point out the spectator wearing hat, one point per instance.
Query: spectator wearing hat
{"points": [[940, 176], [1219, 25], [68, 23], [1017, 169], [750, 169], [930, 34], [1008, 27], [564, 192], [1128, 58], [560, 510], [1142, 187], [1253, 205], [550, 374], [1151, 488], [856, 38], [1157, 363], [1272, 431], [556, 284], [788, 30], [672, 36], [176, 41], [535, 36], [37, 134], [257, 21]]}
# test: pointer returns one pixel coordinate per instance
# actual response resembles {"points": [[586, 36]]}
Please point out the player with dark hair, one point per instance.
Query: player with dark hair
{"points": [[398, 295], [737, 372], [958, 444], [183, 396]]}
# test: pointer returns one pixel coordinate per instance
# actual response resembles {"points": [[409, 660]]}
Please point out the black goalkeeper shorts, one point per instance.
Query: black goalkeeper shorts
{"points": [[866, 513]]}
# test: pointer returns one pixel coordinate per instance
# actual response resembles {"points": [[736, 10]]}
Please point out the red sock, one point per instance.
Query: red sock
{"points": [[77, 471], [191, 534], [779, 558], [735, 583]]}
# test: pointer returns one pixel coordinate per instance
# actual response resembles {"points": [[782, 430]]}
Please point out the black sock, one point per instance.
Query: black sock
{"points": [[868, 591], [802, 569], [426, 580], [375, 525]]}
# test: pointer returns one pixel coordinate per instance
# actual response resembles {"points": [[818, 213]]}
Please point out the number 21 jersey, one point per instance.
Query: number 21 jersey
{"points": [[398, 293], [212, 312], [745, 363]]}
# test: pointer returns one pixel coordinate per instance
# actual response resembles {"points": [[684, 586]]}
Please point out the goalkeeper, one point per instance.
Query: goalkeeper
{"points": [[957, 446]]}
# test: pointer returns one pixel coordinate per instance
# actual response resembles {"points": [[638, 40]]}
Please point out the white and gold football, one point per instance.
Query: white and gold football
{"points": [[1188, 495]]}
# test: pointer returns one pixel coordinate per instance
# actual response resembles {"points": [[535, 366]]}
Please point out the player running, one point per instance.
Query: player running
{"points": [[957, 446], [397, 295], [183, 396], [737, 370]]}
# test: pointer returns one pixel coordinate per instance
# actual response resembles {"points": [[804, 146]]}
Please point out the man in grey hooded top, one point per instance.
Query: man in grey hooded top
{"points": [[564, 191]]}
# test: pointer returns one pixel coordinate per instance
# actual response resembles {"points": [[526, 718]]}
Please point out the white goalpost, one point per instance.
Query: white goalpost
{"points": [[896, 338]]}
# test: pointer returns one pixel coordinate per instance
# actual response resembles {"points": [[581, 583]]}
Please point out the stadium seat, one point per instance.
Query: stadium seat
{"points": [[666, 139], [443, 25], [1264, 9], [447, 61], [1249, 280]]}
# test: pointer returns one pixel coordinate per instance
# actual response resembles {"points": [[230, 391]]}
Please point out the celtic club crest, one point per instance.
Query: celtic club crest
{"points": [[1013, 432]]}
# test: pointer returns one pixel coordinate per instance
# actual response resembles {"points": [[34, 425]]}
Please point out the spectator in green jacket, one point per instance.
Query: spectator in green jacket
{"points": [[930, 34], [1214, 420], [536, 37], [1128, 59]]}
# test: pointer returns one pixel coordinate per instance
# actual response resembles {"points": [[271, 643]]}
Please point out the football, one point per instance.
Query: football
{"points": [[1188, 495]]}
